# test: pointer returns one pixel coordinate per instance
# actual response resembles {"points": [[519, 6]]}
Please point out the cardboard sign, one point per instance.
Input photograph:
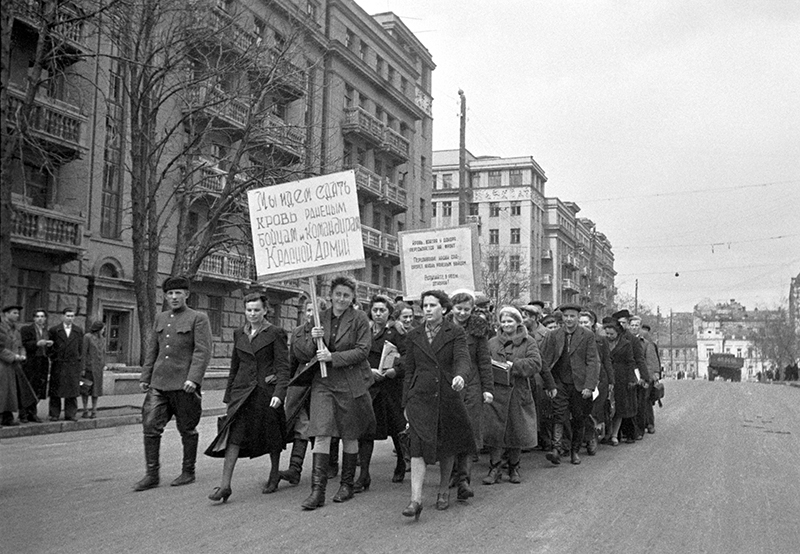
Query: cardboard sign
{"points": [[306, 228], [447, 258]]}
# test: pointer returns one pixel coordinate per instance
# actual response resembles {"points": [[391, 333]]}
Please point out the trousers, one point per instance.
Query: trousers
{"points": [[160, 406]]}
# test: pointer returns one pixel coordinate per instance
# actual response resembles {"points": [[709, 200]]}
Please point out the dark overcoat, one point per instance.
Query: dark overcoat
{"points": [[66, 361], [387, 393], [262, 363], [37, 365], [624, 361], [510, 420], [435, 412], [94, 361]]}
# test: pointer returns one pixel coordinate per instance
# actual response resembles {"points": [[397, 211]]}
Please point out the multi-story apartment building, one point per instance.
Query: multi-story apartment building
{"points": [[308, 87], [531, 246]]}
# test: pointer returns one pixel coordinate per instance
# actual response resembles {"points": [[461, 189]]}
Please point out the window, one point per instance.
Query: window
{"points": [[376, 274], [494, 236], [215, 314], [515, 177], [349, 39], [111, 200], [447, 181], [260, 27], [392, 75], [433, 207], [513, 290], [362, 51], [491, 290], [109, 271], [494, 263], [494, 179], [514, 262], [192, 224], [447, 209], [31, 292], [422, 208], [280, 41], [515, 235], [347, 154], [494, 209], [379, 65], [516, 208], [311, 10], [388, 226], [403, 85], [35, 185], [423, 166], [435, 181], [349, 95], [709, 351], [387, 277], [473, 208]]}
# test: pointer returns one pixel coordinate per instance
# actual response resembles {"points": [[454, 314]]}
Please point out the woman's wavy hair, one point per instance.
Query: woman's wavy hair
{"points": [[444, 300]]}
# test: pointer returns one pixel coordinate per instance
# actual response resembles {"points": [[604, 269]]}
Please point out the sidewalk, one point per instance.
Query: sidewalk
{"points": [[121, 409]]}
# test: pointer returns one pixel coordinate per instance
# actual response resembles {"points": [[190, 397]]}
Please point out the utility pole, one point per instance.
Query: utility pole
{"points": [[671, 361], [462, 162], [636, 298]]}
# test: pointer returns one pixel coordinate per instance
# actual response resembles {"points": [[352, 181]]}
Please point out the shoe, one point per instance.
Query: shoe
{"points": [[513, 474], [574, 459], [442, 500], [220, 493], [93, 414], [630, 440], [554, 456], [414, 509], [51, 418], [183, 479], [639, 437], [651, 429], [271, 485], [465, 492], [614, 441], [591, 448], [147, 482], [363, 483], [85, 414], [495, 474]]}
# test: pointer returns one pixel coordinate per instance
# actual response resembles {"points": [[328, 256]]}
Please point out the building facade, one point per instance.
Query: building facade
{"points": [[268, 92]]}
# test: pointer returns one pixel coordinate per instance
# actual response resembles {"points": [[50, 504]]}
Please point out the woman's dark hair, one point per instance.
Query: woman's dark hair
{"points": [[460, 297], [255, 296], [381, 299], [398, 310], [346, 281], [444, 300]]}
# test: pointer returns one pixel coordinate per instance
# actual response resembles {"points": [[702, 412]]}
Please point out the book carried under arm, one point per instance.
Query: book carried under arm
{"points": [[501, 371], [389, 356]]}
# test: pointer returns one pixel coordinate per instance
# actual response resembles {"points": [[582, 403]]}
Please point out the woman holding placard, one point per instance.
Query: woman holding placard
{"points": [[436, 364], [340, 402]]}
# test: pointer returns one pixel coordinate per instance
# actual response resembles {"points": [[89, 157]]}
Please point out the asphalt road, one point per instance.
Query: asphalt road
{"points": [[721, 474]]}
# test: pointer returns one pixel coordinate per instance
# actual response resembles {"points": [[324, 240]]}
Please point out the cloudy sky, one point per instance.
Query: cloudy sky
{"points": [[675, 126]]}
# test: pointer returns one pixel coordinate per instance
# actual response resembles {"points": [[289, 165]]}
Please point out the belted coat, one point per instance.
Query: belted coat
{"points": [[435, 412]]}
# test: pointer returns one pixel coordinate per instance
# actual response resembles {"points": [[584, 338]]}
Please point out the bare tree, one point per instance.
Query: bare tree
{"points": [[505, 275], [776, 339], [204, 96]]}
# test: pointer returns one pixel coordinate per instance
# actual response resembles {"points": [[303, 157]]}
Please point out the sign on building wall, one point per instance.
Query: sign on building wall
{"points": [[446, 258], [306, 228]]}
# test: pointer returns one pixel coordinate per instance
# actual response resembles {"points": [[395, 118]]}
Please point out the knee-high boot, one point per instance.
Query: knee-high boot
{"points": [[345, 491], [152, 446], [189, 458], [365, 448], [319, 482], [333, 462], [295, 462], [554, 456]]}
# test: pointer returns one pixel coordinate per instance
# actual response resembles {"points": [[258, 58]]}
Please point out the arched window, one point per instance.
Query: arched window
{"points": [[109, 271]]}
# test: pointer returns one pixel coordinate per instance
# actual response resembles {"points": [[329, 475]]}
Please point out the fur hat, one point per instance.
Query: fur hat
{"points": [[176, 282]]}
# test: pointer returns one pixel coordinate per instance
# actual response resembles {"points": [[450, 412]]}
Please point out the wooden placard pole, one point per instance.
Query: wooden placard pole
{"points": [[312, 286]]}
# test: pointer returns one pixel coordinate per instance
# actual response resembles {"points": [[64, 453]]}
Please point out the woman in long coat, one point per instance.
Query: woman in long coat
{"points": [[436, 364], [255, 423], [510, 421], [479, 386], [94, 361], [605, 385], [624, 376], [340, 403]]}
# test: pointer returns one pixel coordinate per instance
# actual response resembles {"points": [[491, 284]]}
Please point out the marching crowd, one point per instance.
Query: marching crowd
{"points": [[446, 377]]}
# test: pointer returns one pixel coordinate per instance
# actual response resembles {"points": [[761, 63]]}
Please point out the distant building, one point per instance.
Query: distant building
{"points": [[794, 305], [677, 341]]}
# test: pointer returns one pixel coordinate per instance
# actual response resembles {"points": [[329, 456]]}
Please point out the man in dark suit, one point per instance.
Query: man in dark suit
{"points": [[37, 365], [569, 353], [66, 366]]}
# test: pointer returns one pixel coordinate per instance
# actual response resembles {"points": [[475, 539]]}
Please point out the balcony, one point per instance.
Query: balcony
{"points": [[424, 101], [209, 179], [547, 254], [284, 141], [288, 78], [476, 219], [380, 243], [212, 26], [47, 231], [226, 267], [66, 35], [381, 189], [359, 122], [570, 285], [56, 125], [570, 261], [228, 112], [546, 279], [365, 291], [396, 145]]}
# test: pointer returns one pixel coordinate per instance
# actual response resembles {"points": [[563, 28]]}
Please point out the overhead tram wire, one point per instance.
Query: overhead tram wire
{"points": [[684, 192], [711, 244]]}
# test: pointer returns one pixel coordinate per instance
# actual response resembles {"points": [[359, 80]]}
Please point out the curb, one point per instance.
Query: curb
{"points": [[50, 427]]}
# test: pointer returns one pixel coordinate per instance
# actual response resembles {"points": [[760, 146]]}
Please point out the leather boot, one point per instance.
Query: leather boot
{"points": [[465, 492], [152, 445], [333, 463], [365, 448], [345, 491], [295, 462], [319, 481], [554, 456], [189, 458]]}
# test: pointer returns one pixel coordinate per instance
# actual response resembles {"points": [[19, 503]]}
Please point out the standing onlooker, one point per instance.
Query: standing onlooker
{"points": [[175, 363], [11, 355], [510, 420], [570, 353], [37, 366], [66, 366], [255, 423], [94, 362]]}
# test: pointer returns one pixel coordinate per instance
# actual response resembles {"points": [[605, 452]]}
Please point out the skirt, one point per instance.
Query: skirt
{"points": [[335, 413], [255, 427], [625, 400]]}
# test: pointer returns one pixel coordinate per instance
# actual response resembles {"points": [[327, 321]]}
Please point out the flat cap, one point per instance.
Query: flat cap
{"points": [[569, 306], [620, 314], [10, 307]]}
